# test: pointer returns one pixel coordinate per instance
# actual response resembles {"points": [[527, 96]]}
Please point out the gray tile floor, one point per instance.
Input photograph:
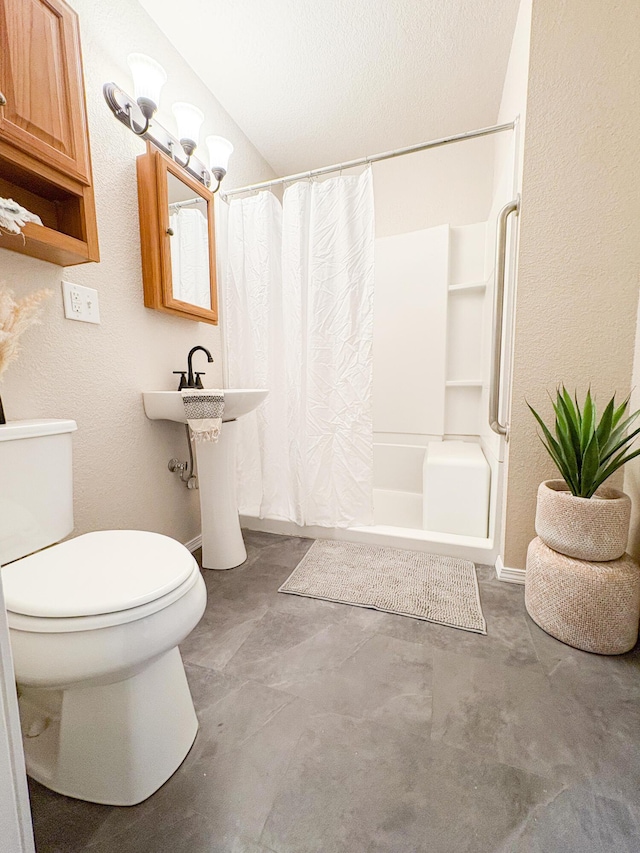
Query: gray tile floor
{"points": [[332, 729]]}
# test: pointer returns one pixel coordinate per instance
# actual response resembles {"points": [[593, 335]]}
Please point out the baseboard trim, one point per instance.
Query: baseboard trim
{"points": [[194, 544], [507, 574]]}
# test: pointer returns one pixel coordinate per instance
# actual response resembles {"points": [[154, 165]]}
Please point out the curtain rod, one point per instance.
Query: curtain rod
{"points": [[197, 200], [375, 158]]}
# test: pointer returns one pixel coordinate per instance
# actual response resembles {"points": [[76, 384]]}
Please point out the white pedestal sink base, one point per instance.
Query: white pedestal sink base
{"points": [[222, 543]]}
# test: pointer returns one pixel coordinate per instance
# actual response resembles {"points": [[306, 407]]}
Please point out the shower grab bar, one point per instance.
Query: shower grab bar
{"points": [[498, 314]]}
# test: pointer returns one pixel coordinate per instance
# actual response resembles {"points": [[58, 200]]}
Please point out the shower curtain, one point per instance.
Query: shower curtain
{"points": [[298, 312]]}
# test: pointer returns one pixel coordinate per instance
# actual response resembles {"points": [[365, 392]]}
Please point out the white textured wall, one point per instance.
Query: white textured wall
{"points": [[578, 257], [514, 95], [95, 373], [632, 470], [451, 185]]}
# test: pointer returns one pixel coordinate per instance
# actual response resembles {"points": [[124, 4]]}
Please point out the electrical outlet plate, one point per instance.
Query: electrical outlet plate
{"points": [[80, 303]]}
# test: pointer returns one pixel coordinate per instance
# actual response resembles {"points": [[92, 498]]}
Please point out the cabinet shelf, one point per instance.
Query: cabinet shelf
{"points": [[68, 234], [44, 243], [463, 383]]}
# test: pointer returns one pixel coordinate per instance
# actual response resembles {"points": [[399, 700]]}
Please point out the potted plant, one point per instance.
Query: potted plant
{"points": [[580, 586], [579, 516]]}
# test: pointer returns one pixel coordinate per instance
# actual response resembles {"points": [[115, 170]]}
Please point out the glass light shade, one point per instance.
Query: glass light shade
{"points": [[220, 149], [148, 77], [189, 120]]}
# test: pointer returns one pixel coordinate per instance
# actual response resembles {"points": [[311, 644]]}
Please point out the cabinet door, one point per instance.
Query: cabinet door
{"points": [[178, 252], [41, 80]]}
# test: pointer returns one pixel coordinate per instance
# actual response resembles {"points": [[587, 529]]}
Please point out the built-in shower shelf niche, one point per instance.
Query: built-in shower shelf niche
{"points": [[467, 293], [463, 410], [464, 335], [471, 285]]}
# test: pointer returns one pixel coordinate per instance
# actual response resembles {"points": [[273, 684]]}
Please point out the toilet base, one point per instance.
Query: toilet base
{"points": [[114, 744]]}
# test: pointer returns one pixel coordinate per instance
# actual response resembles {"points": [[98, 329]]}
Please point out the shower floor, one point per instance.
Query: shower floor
{"points": [[398, 509]]}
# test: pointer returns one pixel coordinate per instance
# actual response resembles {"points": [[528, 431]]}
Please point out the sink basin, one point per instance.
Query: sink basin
{"points": [[168, 406]]}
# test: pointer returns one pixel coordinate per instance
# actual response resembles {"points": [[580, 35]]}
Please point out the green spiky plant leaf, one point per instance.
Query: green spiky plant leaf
{"points": [[587, 451]]}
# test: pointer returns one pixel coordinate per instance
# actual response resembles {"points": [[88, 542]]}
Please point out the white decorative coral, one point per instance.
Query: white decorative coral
{"points": [[13, 217], [15, 318]]}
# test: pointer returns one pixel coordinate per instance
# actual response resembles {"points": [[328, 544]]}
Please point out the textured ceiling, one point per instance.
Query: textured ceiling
{"points": [[313, 82]]}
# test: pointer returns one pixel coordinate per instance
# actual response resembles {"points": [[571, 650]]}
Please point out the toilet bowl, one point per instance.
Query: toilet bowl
{"points": [[94, 624]]}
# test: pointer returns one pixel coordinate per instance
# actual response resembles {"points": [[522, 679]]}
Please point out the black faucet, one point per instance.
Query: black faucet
{"points": [[192, 381]]}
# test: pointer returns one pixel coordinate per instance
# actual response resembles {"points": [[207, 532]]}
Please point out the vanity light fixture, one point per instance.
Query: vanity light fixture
{"points": [[137, 114], [148, 79], [220, 149], [189, 120]]}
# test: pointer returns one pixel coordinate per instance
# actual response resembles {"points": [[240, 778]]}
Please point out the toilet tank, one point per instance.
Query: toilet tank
{"points": [[36, 486]]}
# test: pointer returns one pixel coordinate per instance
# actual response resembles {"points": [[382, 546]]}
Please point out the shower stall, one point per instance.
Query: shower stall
{"points": [[441, 345]]}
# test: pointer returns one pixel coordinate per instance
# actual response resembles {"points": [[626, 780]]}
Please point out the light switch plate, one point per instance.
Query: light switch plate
{"points": [[80, 303]]}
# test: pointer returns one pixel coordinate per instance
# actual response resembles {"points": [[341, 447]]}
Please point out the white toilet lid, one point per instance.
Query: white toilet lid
{"points": [[103, 572]]}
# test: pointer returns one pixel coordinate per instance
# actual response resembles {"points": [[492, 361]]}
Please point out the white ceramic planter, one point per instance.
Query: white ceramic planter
{"points": [[591, 606], [594, 529]]}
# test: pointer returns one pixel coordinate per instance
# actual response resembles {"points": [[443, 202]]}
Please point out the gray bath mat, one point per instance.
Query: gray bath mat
{"points": [[410, 583]]}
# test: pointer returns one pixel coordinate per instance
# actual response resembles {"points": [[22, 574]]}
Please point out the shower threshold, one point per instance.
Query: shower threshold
{"points": [[412, 539]]}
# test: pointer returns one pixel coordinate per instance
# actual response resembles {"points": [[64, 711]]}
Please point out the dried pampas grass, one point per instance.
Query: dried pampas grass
{"points": [[15, 318]]}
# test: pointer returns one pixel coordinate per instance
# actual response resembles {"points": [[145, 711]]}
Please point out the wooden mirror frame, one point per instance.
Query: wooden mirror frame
{"points": [[153, 207]]}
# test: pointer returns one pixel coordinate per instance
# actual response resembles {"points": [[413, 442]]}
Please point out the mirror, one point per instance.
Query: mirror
{"points": [[177, 239], [188, 244]]}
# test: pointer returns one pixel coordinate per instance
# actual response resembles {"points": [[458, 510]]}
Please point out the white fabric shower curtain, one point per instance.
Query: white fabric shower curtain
{"points": [[298, 311]]}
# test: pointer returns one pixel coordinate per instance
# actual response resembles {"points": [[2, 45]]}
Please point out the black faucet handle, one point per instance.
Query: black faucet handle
{"points": [[183, 379], [198, 380]]}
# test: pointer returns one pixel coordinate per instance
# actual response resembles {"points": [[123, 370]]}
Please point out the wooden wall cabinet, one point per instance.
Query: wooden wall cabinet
{"points": [[165, 191], [44, 142]]}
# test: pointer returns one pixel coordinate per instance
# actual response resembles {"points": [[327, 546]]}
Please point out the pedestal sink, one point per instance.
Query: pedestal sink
{"points": [[222, 543]]}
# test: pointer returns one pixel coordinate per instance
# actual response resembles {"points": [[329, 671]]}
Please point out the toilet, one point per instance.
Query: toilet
{"points": [[95, 622]]}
